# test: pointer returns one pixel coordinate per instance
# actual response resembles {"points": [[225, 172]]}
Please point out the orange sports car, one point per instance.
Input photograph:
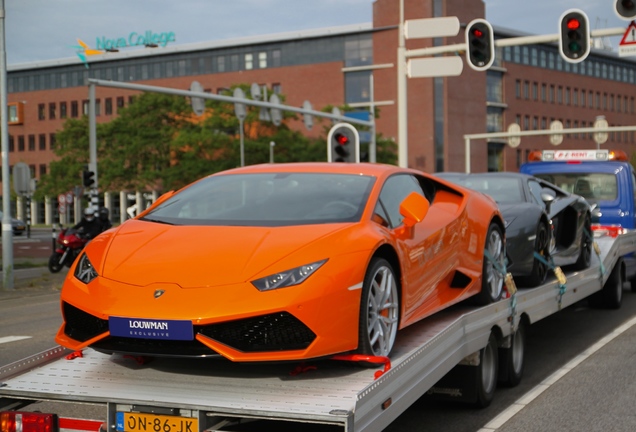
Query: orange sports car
{"points": [[284, 262]]}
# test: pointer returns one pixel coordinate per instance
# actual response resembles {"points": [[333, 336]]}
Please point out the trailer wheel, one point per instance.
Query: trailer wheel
{"points": [[512, 360], [379, 309], [486, 381], [492, 279], [611, 295]]}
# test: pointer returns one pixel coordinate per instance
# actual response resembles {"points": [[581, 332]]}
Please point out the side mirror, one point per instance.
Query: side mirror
{"points": [[547, 200], [414, 209]]}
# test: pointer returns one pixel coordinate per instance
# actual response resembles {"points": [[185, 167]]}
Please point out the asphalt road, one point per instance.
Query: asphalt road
{"points": [[596, 394]]}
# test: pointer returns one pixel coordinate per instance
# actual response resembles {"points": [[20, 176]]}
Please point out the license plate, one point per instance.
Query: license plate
{"points": [[138, 422], [151, 329]]}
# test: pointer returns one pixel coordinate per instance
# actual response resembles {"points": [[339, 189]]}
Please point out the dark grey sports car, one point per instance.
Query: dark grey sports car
{"points": [[540, 217]]}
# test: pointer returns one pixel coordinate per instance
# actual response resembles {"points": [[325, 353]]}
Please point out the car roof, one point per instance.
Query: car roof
{"points": [[372, 169]]}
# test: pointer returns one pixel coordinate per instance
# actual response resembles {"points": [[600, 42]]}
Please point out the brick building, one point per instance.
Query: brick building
{"points": [[529, 85]]}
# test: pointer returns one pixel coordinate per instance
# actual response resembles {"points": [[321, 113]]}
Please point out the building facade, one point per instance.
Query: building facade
{"points": [[528, 85]]}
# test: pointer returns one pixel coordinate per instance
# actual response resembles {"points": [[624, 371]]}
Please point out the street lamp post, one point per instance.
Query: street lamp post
{"points": [[271, 151]]}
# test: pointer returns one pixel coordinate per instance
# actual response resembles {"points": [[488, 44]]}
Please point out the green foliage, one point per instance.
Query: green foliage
{"points": [[157, 143]]}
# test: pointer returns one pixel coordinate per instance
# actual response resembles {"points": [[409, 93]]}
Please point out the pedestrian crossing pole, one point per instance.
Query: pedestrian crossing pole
{"points": [[92, 148]]}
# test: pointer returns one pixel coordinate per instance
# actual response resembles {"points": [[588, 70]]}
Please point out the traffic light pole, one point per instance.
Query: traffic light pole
{"points": [[92, 136], [7, 229]]}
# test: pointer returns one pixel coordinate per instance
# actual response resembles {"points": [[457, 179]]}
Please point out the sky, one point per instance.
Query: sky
{"points": [[39, 30]]}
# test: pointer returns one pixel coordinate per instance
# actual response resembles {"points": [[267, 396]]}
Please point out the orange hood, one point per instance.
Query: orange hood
{"points": [[142, 253]]}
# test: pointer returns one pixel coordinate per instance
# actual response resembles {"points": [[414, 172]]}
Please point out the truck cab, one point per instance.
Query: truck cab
{"points": [[604, 178]]}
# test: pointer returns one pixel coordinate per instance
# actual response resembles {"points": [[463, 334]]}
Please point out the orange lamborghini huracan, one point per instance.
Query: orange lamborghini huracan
{"points": [[284, 262]]}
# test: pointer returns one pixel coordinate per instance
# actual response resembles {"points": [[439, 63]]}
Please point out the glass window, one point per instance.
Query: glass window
{"points": [[52, 110], [42, 142], [494, 86], [31, 142], [357, 86], [494, 119], [543, 59], [52, 141], [220, 64], [249, 61], [393, 193], [262, 60], [41, 112], [234, 62], [108, 106], [544, 92], [359, 51], [535, 192], [268, 199], [74, 109], [21, 143], [276, 58], [63, 110]]}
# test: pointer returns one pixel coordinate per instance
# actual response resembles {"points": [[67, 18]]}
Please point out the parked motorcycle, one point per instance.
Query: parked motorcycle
{"points": [[70, 243]]}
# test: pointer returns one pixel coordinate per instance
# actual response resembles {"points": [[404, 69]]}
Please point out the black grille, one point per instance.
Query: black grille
{"points": [[80, 325], [154, 347], [275, 332]]}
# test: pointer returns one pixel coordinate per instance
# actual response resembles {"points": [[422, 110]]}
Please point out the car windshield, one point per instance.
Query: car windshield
{"points": [[593, 187], [506, 190], [267, 199]]}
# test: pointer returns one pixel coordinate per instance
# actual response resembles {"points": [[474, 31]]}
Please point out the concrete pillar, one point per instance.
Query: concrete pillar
{"points": [[48, 211], [34, 212], [123, 205]]}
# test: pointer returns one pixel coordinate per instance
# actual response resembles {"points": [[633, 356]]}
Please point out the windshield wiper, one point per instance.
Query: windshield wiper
{"points": [[157, 221]]}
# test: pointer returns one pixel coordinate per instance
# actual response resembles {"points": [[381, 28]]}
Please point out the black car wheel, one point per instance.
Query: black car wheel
{"points": [[541, 247], [585, 254]]}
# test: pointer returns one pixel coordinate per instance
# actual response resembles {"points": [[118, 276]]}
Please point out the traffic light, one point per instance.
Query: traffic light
{"points": [[88, 179], [480, 44], [625, 9], [343, 143], [574, 36]]}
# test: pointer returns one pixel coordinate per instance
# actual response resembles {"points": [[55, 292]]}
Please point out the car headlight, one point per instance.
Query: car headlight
{"points": [[287, 278], [85, 270]]}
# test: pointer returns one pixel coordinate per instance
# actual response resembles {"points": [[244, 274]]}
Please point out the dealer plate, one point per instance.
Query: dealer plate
{"points": [[139, 422], [150, 328]]}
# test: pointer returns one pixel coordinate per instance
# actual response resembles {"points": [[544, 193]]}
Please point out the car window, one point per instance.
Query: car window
{"points": [[395, 189], [535, 192], [503, 190], [267, 199]]}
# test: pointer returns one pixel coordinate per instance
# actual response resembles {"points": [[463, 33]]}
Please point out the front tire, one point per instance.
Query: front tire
{"points": [[492, 277], [379, 310], [54, 262]]}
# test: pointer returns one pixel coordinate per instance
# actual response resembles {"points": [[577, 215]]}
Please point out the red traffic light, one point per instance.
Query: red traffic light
{"points": [[573, 24], [341, 139], [478, 33]]}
